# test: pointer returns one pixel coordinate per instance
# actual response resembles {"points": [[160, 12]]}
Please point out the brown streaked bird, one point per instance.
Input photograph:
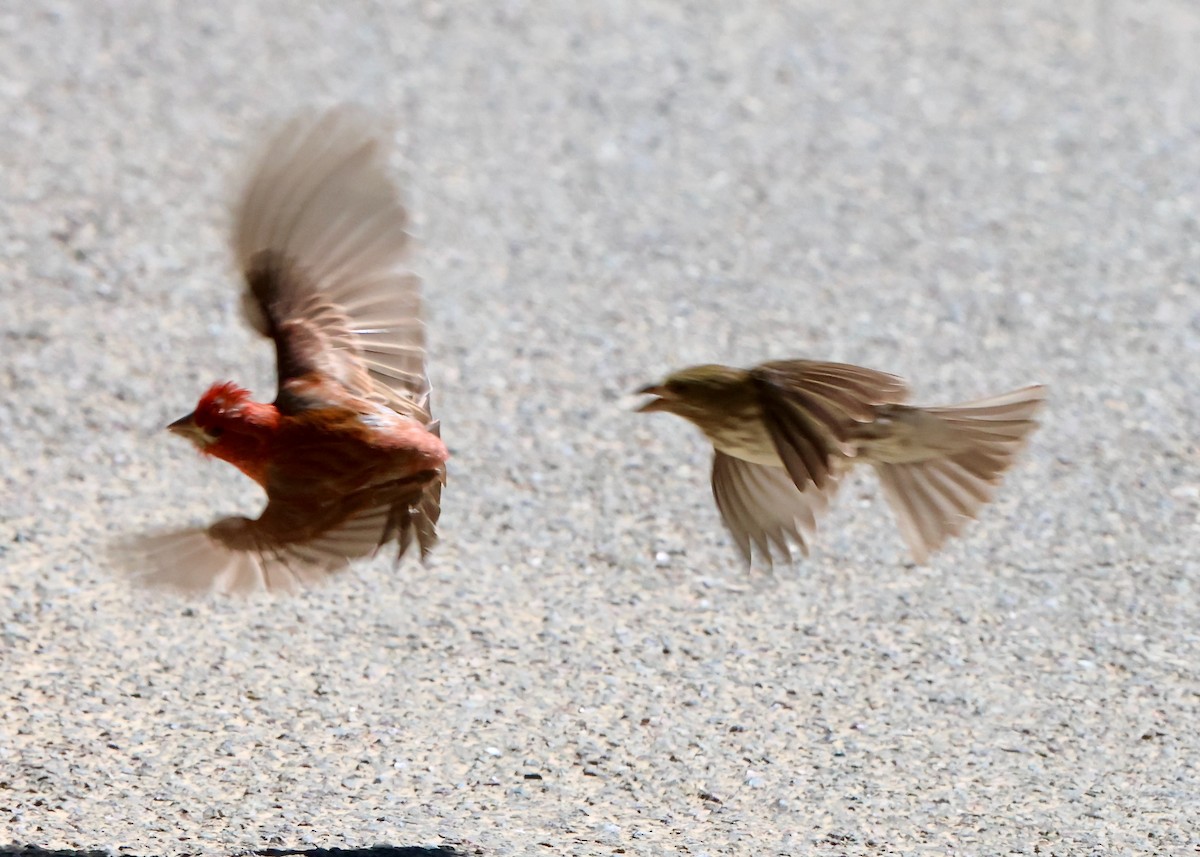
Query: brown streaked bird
{"points": [[785, 431], [348, 453]]}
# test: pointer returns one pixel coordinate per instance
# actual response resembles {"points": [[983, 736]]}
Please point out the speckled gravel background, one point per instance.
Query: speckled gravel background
{"points": [[974, 195]]}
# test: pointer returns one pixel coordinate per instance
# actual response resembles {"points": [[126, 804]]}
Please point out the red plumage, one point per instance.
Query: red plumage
{"points": [[348, 453]]}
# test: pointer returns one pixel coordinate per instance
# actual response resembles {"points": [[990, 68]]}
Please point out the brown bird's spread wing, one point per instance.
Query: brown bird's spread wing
{"points": [[320, 236], [810, 407], [284, 549], [764, 511]]}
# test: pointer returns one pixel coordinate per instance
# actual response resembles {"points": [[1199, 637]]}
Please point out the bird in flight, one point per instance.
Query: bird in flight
{"points": [[785, 431], [348, 453]]}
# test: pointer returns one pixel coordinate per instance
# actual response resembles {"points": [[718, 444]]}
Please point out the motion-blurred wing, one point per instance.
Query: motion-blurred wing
{"points": [[764, 511], [320, 236], [195, 561], [274, 553]]}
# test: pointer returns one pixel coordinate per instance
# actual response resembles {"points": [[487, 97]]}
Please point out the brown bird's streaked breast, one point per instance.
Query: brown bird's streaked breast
{"points": [[744, 435]]}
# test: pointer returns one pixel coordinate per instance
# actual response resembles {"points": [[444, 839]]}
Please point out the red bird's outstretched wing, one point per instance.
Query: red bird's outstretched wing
{"points": [[288, 547], [320, 236]]}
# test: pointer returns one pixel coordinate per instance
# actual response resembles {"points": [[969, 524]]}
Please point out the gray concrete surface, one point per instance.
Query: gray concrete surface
{"points": [[973, 195]]}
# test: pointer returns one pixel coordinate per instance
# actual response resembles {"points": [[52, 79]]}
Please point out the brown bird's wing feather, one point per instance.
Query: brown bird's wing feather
{"points": [[284, 549], [763, 510], [810, 408], [320, 236]]}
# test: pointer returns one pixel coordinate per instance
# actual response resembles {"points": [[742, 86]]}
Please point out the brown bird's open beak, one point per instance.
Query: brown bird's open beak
{"points": [[186, 427], [658, 403]]}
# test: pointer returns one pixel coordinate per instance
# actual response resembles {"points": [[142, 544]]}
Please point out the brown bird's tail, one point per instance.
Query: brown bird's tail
{"points": [[939, 466]]}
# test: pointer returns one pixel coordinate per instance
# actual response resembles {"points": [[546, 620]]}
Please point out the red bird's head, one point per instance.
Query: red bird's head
{"points": [[228, 424]]}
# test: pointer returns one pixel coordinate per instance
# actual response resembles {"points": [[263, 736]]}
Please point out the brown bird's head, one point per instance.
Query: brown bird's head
{"points": [[701, 393]]}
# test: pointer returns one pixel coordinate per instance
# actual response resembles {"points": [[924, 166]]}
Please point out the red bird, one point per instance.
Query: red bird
{"points": [[348, 453]]}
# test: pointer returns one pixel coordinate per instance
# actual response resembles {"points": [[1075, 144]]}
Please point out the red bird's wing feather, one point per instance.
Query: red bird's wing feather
{"points": [[288, 547], [320, 236]]}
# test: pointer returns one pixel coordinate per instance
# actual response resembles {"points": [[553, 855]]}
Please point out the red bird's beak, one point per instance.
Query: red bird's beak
{"points": [[658, 403], [186, 427], [183, 425]]}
